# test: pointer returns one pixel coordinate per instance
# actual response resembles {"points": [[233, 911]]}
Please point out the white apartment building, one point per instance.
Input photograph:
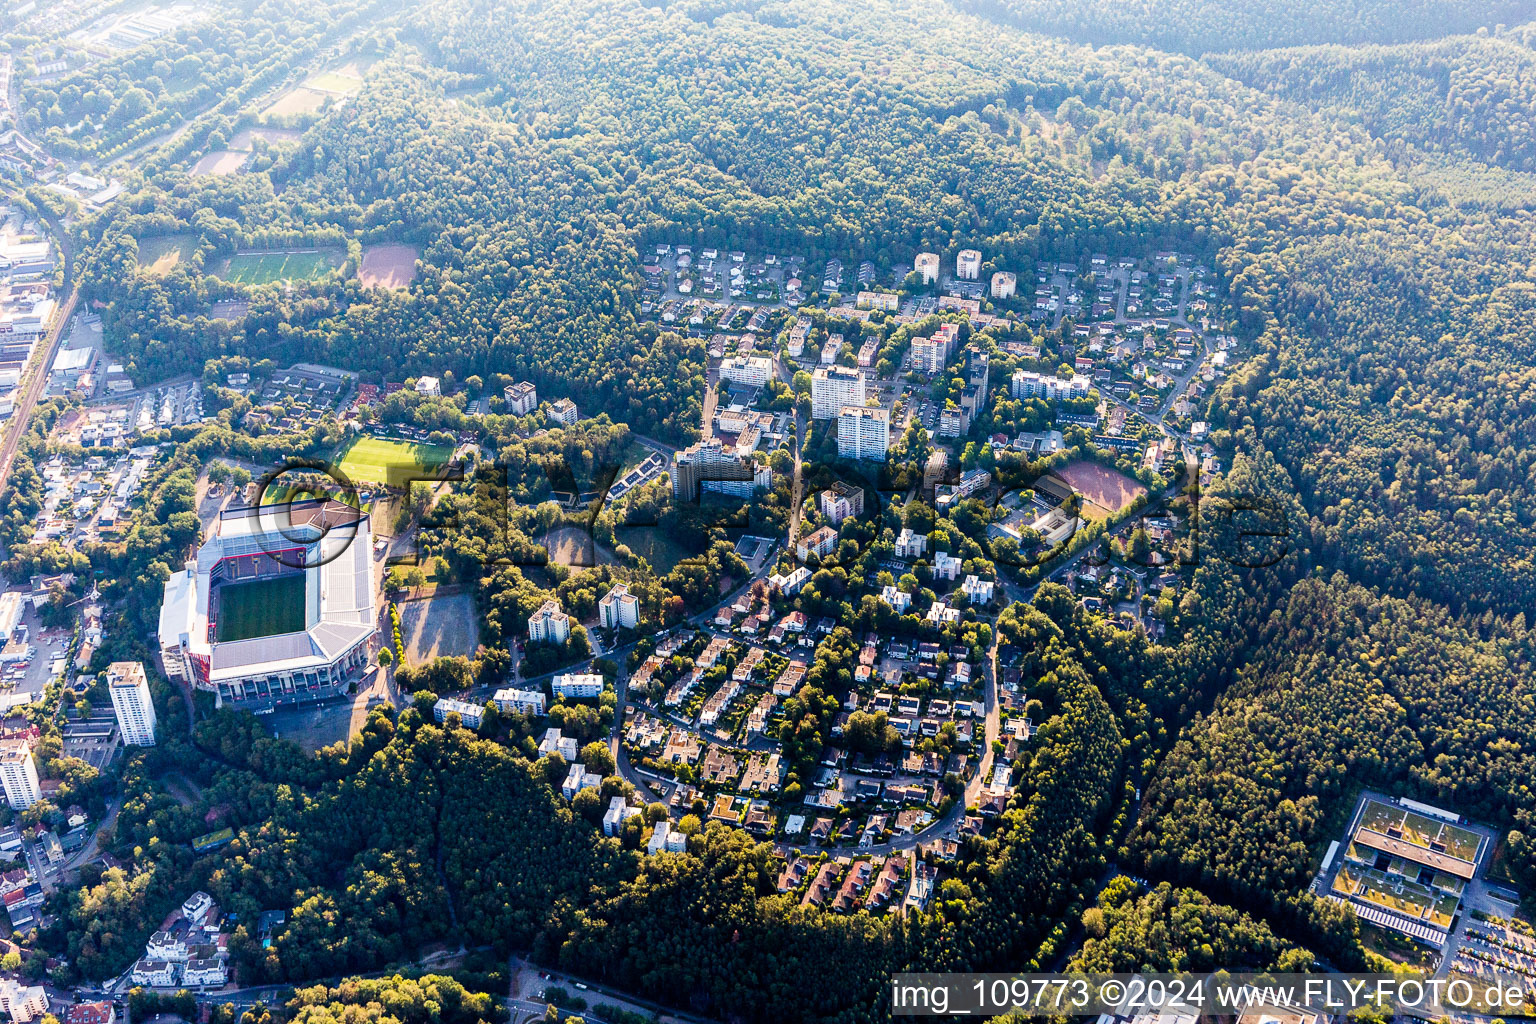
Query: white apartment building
{"points": [[840, 501], [549, 624], [968, 265], [130, 699], [563, 412], [429, 386], [752, 371], [833, 388], [863, 433], [708, 465], [945, 566], [665, 837], [577, 684], [977, 590], [554, 743], [578, 779], [22, 1002], [18, 773], [471, 715], [927, 264], [619, 811], [210, 972], [154, 973], [909, 544], [1029, 384], [522, 398], [527, 702], [928, 355], [931, 355], [166, 946], [1004, 284], [832, 349], [619, 609]]}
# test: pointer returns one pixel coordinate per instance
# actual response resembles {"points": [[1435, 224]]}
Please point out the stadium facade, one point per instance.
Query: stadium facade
{"points": [[231, 621]]}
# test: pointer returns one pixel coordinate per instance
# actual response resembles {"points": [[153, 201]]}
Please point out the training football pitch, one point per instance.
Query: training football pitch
{"points": [[377, 460], [257, 268], [267, 607]]}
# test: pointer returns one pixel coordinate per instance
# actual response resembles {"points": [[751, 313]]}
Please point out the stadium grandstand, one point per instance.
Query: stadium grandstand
{"points": [[277, 606]]}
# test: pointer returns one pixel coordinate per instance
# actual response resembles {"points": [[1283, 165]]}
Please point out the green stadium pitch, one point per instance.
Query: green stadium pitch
{"points": [[376, 460], [266, 607]]}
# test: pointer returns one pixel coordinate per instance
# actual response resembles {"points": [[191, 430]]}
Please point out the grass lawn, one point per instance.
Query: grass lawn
{"points": [[298, 100], [280, 265], [267, 607], [330, 81], [161, 253], [282, 494], [373, 460], [655, 545]]}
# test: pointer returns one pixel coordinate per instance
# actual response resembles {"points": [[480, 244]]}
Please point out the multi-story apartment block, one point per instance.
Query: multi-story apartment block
{"points": [[752, 371], [863, 433], [130, 699], [1029, 384], [522, 398], [833, 388], [927, 264], [709, 466], [968, 265], [18, 773], [549, 624], [619, 609], [527, 702], [577, 684], [840, 501]]}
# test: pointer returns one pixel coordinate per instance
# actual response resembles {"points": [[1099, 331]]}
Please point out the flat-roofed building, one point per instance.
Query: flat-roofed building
{"points": [[840, 501], [22, 1002], [753, 371], [863, 433], [709, 466], [619, 609], [549, 624], [18, 773], [471, 715], [833, 388], [522, 398], [577, 684], [527, 702], [968, 265], [130, 699], [1029, 384], [927, 265]]}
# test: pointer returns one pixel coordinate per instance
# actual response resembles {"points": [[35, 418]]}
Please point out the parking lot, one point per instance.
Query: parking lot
{"points": [[93, 740], [36, 660]]}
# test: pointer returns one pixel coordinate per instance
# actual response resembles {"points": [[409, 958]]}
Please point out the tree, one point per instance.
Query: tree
{"points": [[598, 758]]}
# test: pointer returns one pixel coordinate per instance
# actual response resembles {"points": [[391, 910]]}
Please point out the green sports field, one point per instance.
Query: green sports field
{"points": [[289, 265], [162, 252], [267, 607], [374, 460]]}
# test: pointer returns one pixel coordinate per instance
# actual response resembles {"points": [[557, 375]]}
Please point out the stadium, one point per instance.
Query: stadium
{"points": [[277, 607]]}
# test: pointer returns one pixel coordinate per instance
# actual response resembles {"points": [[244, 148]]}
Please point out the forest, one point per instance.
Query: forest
{"points": [[1199, 27], [1363, 193]]}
